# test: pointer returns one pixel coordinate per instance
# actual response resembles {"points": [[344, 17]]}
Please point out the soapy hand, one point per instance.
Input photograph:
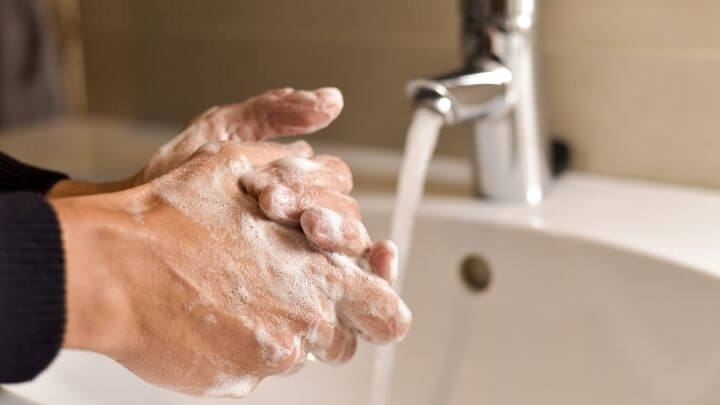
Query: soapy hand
{"points": [[311, 192], [191, 287], [274, 114]]}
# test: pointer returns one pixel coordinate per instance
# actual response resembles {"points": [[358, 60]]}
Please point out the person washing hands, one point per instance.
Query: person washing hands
{"points": [[227, 259]]}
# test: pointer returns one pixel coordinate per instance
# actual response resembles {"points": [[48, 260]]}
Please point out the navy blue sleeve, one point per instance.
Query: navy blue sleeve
{"points": [[17, 176]]}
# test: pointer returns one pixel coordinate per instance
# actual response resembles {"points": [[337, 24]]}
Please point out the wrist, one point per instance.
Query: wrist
{"points": [[75, 188], [95, 236]]}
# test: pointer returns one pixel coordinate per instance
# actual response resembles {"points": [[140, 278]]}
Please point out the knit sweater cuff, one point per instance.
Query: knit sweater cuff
{"points": [[32, 286], [17, 176]]}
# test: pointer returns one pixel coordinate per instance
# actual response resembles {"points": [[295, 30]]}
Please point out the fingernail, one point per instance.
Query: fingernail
{"points": [[331, 97], [383, 258]]}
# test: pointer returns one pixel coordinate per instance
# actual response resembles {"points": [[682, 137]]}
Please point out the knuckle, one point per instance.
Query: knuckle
{"points": [[234, 157]]}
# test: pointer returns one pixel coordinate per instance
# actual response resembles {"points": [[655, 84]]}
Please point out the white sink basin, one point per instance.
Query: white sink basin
{"points": [[607, 293]]}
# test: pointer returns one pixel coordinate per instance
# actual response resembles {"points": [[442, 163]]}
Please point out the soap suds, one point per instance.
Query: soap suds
{"points": [[136, 209], [270, 268], [232, 387], [272, 351], [296, 164], [329, 225]]}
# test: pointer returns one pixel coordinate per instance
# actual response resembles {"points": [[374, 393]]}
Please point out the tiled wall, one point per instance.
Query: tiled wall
{"points": [[633, 85]]}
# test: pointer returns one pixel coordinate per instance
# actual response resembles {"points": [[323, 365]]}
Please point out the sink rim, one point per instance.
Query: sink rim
{"points": [[596, 209]]}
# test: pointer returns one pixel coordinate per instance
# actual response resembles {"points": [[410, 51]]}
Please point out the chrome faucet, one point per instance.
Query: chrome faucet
{"points": [[497, 89]]}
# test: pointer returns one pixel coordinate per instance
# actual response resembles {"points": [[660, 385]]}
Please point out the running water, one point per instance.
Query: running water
{"points": [[419, 147]]}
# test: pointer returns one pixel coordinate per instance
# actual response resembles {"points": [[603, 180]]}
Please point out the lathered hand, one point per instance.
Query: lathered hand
{"points": [[187, 283]]}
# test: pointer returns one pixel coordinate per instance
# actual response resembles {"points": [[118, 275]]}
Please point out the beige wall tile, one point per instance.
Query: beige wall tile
{"points": [[687, 24], [631, 84], [654, 118]]}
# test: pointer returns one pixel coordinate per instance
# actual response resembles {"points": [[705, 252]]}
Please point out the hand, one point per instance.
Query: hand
{"points": [[276, 113], [186, 283]]}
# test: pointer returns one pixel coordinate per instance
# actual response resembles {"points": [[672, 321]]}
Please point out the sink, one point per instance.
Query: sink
{"points": [[606, 293]]}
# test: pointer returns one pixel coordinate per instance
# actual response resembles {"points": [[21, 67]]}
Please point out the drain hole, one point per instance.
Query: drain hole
{"points": [[475, 273]]}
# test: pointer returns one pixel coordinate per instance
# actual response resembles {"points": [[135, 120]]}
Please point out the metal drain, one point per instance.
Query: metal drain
{"points": [[475, 273]]}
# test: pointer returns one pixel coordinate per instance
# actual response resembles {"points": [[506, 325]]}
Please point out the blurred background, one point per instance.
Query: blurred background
{"points": [[631, 85]]}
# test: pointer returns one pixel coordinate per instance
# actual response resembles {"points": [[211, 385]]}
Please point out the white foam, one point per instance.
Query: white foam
{"points": [[136, 209], [296, 164], [272, 351], [232, 387], [240, 166], [331, 224], [246, 264]]}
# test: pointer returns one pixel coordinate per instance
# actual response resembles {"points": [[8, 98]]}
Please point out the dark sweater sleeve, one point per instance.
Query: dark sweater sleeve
{"points": [[17, 176], [32, 278]]}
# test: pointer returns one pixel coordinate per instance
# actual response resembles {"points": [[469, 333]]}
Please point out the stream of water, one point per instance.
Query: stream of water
{"points": [[419, 147]]}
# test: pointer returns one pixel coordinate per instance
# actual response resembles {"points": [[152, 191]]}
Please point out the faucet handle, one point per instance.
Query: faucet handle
{"points": [[465, 94]]}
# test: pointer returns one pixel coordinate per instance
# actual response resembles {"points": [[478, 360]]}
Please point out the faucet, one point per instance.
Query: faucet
{"points": [[496, 90]]}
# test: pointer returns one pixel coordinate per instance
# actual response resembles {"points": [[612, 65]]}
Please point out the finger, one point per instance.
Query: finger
{"points": [[383, 260], [322, 171], [285, 203], [251, 155], [335, 232], [334, 173], [299, 361], [282, 353], [341, 347], [370, 306], [282, 112]]}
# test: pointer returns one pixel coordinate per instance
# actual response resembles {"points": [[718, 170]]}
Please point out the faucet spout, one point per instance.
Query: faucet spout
{"points": [[498, 91]]}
